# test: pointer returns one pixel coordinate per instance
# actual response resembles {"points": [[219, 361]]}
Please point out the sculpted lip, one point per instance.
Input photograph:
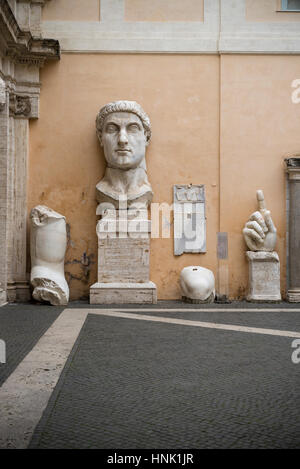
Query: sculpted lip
{"points": [[125, 150]]}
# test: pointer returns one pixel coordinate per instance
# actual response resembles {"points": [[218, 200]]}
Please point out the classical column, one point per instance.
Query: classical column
{"points": [[22, 52], [17, 281], [293, 171], [4, 143]]}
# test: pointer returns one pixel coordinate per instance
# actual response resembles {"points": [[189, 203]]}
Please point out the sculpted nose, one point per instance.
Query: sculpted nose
{"points": [[123, 138]]}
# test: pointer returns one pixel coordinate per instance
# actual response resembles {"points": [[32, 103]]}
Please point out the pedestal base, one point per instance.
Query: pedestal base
{"points": [[194, 301], [18, 292], [264, 277], [293, 295], [121, 293], [3, 300]]}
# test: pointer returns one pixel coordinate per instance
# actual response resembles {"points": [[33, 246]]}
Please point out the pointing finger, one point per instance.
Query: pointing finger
{"points": [[261, 200]]}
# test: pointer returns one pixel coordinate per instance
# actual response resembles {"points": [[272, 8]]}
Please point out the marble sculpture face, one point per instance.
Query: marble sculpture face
{"points": [[123, 140]]}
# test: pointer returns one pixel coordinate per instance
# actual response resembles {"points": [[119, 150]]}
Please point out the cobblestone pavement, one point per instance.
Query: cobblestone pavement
{"points": [[141, 384]]}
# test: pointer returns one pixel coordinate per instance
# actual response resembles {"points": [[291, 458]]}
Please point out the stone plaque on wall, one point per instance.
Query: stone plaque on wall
{"points": [[189, 219]]}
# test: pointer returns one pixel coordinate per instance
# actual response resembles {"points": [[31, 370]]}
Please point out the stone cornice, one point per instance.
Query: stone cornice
{"points": [[20, 45]]}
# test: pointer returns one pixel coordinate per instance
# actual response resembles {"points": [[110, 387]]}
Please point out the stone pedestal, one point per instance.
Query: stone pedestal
{"points": [[293, 261], [264, 276], [123, 263], [122, 293]]}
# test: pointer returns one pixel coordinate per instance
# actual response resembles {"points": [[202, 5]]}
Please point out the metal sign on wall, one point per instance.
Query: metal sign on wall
{"points": [[189, 218]]}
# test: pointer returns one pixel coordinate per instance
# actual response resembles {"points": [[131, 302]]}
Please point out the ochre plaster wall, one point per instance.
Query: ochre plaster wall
{"points": [[71, 10], [247, 123], [181, 95], [164, 10], [259, 128]]}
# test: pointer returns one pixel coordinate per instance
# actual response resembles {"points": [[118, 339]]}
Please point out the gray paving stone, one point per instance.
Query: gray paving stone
{"points": [[21, 326], [135, 384]]}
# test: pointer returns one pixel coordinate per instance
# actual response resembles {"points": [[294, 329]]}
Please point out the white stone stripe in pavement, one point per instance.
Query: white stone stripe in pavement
{"points": [[209, 310], [184, 322], [26, 392]]}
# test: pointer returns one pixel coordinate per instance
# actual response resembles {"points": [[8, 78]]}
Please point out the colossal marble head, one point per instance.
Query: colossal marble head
{"points": [[124, 131]]}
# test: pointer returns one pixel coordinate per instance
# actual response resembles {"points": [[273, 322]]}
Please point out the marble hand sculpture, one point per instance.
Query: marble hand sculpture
{"points": [[197, 284], [124, 131], [260, 232], [48, 241]]}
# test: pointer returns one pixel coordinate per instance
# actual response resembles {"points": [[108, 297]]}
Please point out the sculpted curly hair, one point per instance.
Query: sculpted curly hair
{"points": [[123, 106]]}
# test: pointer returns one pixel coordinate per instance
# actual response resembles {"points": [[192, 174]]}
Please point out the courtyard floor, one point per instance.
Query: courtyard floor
{"points": [[170, 375]]}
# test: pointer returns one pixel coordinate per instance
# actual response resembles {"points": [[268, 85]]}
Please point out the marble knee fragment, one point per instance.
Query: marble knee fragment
{"points": [[48, 241], [197, 284]]}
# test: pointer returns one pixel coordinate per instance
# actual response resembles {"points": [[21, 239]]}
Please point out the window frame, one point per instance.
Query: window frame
{"points": [[284, 6]]}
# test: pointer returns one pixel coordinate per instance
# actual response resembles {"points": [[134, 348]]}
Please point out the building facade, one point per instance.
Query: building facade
{"points": [[220, 80]]}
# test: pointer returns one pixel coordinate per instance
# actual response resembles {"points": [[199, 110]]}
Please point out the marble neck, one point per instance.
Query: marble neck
{"points": [[132, 181]]}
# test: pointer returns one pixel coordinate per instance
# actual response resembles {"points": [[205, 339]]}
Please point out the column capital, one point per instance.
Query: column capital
{"points": [[293, 167]]}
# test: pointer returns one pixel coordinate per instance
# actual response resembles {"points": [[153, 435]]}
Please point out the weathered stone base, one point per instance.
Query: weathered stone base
{"points": [[222, 299], [3, 300], [293, 296], [264, 277], [121, 293], [194, 301], [262, 300], [18, 292]]}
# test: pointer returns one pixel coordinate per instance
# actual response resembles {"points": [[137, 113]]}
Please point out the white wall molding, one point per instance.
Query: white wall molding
{"points": [[240, 36], [112, 34], [224, 31]]}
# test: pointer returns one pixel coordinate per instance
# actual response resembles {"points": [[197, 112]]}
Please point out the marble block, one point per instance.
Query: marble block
{"points": [[123, 262], [121, 293], [123, 250], [264, 276]]}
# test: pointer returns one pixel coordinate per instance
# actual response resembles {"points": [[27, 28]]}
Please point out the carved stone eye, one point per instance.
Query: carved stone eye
{"points": [[133, 128], [111, 128]]}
